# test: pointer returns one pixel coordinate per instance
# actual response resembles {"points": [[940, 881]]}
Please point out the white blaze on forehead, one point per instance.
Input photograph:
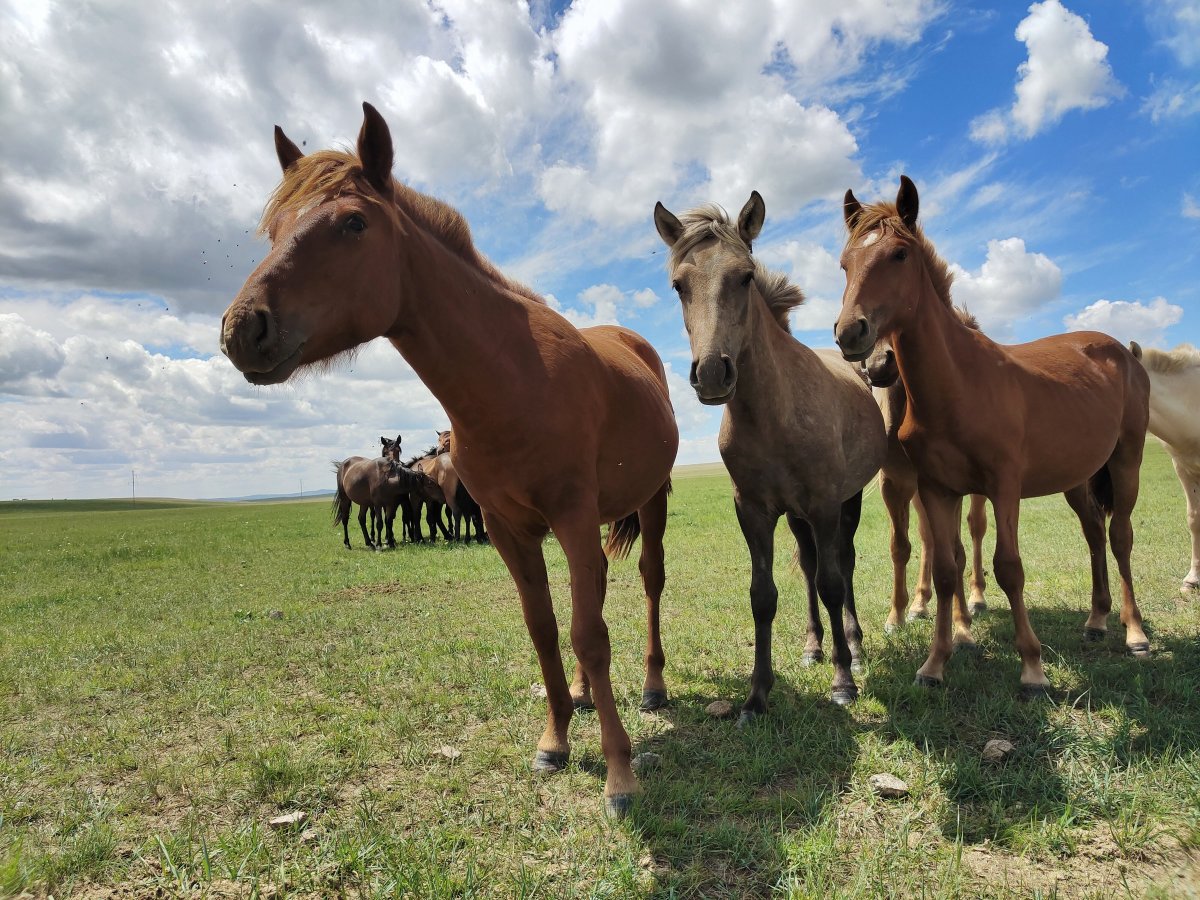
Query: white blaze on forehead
{"points": [[870, 239]]}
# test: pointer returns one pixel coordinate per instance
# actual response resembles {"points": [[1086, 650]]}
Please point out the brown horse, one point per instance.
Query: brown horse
{"points": [[1064, 413], [555, 428], [800, 436], [376, 485], [898, 487], [460, 505]]}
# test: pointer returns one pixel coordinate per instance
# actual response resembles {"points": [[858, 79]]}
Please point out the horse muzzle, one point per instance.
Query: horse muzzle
{"points": [[882, 368], [714, 379], [250, 338], [855, 339]]}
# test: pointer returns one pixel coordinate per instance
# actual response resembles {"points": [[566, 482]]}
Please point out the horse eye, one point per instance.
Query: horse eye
{"points": [[749, 277], [900, 255], [676, 286], [356, 223]]}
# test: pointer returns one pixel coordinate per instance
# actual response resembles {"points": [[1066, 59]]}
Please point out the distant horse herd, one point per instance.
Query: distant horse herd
{"points": [[384, 486], [566, 429]]}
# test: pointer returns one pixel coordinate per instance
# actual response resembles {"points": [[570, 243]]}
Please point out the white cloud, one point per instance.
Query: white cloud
{"points": [[1066, 69], [1172, 100], [1011, 284], [1190, 208], [1177, 23], [1127, 320], [28, 357], [603, 304]]}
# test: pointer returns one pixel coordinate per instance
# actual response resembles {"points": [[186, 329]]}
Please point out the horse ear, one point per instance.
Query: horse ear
{"points": [[670, 229], [287, 152], [750, 219], [851, 209], [1136, 349], [907, 203], [375, 149]]}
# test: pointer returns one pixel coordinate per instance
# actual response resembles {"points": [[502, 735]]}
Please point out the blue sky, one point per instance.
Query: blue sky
{"points": [[1054, 145]]}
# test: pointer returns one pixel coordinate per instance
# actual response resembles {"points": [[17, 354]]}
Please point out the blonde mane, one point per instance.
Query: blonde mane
{"points": [[1167, 362], [711, 221], [885, 215], [326, 174]]}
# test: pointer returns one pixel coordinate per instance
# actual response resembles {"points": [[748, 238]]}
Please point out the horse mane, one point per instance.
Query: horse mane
{"points": [[428, 454], [712, 221], [886, 215], [324, 174], [1185, 356]]}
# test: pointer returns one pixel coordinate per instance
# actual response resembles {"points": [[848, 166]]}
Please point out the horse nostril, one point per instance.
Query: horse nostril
{"points": [[730, 372], [862, 327], [692, 380], [264, 326]]}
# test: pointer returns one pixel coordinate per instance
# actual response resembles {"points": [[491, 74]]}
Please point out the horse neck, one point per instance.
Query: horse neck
{"points": [[462, 329], [763, 384], [931, 352]]}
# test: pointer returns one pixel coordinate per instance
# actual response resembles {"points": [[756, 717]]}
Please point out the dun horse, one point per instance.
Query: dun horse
{"points": [[800, 435], [1174, 396], [1064, 413], [898, 487], [555, 428]]}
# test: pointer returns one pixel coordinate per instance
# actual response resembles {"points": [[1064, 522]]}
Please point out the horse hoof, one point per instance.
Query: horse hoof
{"points": [[1189, 588], [856, 665], [1140, 650], [918, 614], [746, 719], [548, 762], [1094, 635], [617, 806], [582, 704], [927, 681], [652, 700], [1036, 692], [812, 657], [844, 696], [890, 627], [977, 609]]}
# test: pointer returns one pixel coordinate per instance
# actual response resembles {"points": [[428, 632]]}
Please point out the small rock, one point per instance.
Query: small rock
{"points": [[888, 786], [309, 835], [719, 709], [646, 762], [449, 752], [275, 614], [292, 818], [537, 691], [997, 751]]}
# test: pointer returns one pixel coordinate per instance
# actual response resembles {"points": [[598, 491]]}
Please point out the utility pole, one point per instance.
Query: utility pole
{"points": [[301, 488], [133, 485]]}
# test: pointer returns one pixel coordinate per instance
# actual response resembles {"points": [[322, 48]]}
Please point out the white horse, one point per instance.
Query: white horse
{"points": [[1174, 396]]}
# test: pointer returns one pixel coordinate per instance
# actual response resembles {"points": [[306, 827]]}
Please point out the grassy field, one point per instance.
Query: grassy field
{"points": [[173, 676]]}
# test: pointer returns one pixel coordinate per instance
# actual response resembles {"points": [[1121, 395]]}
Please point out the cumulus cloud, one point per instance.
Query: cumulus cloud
{"points": [[1011, 284], [602, 304], [1127, 320], [1066, 69]]}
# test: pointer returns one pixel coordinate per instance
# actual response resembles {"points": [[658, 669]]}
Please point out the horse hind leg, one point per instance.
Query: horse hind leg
{"points": [[362, 523], [897, 498], [806, 557], [977, 526], [1091, 523], [963, 639], [1189, 478], [652, 519], [1124, 471], [833, 587]]}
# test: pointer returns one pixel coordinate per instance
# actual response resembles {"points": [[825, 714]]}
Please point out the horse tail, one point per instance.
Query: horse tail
{"points": [[1100, 487], [621, 535], [341, 502]]}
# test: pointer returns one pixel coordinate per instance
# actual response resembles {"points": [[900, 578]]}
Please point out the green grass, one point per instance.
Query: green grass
{"points": [[155, 714]]}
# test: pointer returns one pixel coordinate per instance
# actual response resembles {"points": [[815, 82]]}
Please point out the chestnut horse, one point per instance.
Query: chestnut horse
{"points": [[800, 435], [1174, 396], [898, 487], [555, 428], [1064, 413]]}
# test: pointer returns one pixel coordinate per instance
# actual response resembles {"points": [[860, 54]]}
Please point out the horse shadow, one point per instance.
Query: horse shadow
{"points": [[728, 805]]}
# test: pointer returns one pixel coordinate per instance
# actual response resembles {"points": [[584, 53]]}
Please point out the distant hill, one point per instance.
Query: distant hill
{"points": [[273, 498]]}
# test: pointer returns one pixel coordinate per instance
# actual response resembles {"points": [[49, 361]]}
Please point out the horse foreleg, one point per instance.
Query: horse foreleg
{"points": [[897, 496], [651, 564], [833, 588], [758, 529], [919, 608], [579, 536], [940, 511], [1189, 479], [522, 554], [847, 528], [977, 526], [1010, 575]]}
